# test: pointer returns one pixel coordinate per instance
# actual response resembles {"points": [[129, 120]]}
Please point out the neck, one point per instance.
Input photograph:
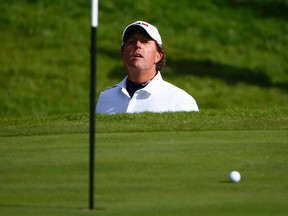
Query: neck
{"points": [[140, 77]]}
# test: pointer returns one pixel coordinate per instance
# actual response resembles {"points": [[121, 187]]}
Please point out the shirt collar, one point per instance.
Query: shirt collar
{"points": [[154, 84], [150, 88]]}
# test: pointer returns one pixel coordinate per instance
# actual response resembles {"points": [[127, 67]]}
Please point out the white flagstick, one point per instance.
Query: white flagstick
{"points": [[94, 24], [94, 16]]}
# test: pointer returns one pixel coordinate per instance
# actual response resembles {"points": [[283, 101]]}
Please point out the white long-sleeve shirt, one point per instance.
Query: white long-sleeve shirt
{"points": [[157, 96]]}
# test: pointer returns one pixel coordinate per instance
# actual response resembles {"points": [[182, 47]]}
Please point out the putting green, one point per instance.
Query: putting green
{"points": [[146, 173]]}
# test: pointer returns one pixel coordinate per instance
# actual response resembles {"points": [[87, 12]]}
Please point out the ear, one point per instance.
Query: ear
{"points": [[158, 57]]}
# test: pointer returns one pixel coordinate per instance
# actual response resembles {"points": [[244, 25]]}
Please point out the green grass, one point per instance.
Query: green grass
{"points": [[158, 164], [230, 55], [227, 55], [217, 119], [158, 174]]}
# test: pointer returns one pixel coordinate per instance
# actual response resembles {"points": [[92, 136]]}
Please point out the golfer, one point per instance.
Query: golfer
{"points": [[143, 89]]}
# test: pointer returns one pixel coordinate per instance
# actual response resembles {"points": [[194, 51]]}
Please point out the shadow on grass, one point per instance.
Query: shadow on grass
{"points": [[266, 9], [229, 74], [205, 68]]}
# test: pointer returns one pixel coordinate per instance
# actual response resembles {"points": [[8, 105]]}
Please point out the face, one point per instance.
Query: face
{"points": [[140, 53]]}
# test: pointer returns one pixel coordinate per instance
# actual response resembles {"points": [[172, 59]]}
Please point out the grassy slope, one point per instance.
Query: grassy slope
{"points": [[224, 55]]}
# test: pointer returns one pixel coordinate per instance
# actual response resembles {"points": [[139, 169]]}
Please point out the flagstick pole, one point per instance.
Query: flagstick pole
{"points": [[94, 24]]}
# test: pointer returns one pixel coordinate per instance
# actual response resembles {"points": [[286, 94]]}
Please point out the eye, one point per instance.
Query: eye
{"points": [[130, 41], [144, 41]]}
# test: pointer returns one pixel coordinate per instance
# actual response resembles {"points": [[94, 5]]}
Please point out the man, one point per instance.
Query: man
{"points": [[143, 89]]}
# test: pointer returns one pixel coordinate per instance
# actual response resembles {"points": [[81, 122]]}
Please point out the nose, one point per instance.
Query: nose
{"points": [[138, 43]]}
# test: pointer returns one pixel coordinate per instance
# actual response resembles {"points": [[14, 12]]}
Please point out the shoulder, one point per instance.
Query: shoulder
{"points": [[115, 88], [110, 91], [111, 88], [173, 88], [184, 101]]}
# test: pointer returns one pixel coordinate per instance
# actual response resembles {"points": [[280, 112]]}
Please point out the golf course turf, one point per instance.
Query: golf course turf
{"points": [[153, 170], [230, 55]]}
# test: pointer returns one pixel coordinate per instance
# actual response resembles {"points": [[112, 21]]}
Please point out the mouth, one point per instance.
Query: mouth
{"points": [[137, 55]]}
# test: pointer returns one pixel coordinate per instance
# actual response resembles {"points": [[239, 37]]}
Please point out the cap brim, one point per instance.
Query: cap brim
{"points": [[133, 28]]}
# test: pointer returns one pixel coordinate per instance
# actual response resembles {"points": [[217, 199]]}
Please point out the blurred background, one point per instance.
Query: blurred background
{"points": [[225, 53]]}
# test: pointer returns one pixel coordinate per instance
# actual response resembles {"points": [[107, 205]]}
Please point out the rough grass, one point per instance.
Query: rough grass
{"points": [[227, 54], [213, 120]]}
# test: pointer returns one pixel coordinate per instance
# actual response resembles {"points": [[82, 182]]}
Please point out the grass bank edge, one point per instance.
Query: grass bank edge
{"points": [[210, 119]]}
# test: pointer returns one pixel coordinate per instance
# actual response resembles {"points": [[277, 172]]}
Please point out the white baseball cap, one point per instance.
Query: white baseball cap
{"points": [[150, 29]]}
